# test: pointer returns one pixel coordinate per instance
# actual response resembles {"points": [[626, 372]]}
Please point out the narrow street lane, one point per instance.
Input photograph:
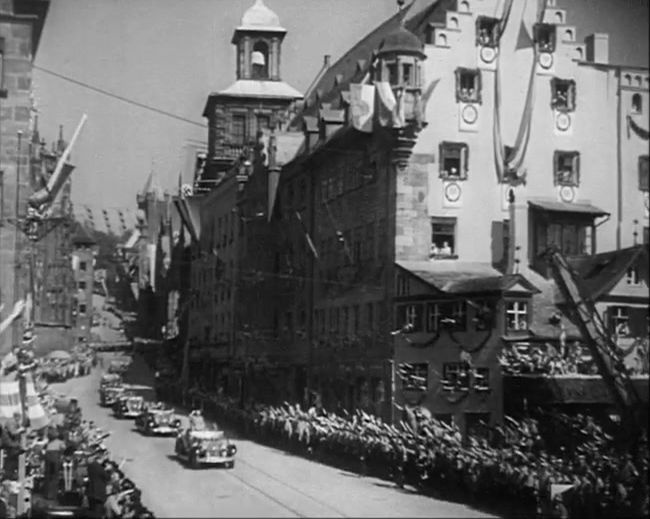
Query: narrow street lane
{"points": [[265, 482]]}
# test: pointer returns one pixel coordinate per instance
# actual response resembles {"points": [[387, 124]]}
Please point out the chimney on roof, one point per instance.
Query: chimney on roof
{"points": [[327, 60], [597, 47]]}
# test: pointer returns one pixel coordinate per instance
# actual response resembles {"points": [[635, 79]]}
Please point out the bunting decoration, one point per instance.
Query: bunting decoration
{"points": [[424, 99], [515, 159], [362, 106], [642, 133]]}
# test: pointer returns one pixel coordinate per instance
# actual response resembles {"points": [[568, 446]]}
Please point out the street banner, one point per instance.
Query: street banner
{"points": [[362, 106]]}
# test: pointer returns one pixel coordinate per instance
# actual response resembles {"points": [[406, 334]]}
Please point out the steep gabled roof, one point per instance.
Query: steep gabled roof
{"points": [[454, 277], [346, 67], [600, 272]]}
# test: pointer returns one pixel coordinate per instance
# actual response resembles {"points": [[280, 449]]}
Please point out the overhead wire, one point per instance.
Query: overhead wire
{"points": [[124, 99]]}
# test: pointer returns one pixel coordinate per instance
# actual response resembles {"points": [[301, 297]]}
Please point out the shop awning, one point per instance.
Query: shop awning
{"points": [[566, 207]]}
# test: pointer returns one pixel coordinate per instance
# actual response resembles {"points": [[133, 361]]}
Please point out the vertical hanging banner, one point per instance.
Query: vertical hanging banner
{"points": [[273, 180], [386, 104], [362, 106], [151, 254]]}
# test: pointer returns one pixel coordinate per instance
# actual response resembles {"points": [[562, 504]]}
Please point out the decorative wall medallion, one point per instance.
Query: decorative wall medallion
{"points": [[567, 194], [488, 54], [453, 192], [470, 114], [546, 60], [563, 121]]}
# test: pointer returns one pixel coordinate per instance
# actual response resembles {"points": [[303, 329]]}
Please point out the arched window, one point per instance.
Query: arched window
{"points": [[637, 103], [260, 60]]}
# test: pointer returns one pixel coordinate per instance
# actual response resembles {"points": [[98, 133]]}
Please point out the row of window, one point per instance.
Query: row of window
{"points": [[452, 315], [347, 319], [354, 246], [456, 376], [454, 165], [346, 175], [223, 233], [488, 34], [240, 131]]}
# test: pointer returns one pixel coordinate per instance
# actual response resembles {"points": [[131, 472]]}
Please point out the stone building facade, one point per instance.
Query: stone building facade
{"points": [[19, 35], [390, 228], [83, 267]]}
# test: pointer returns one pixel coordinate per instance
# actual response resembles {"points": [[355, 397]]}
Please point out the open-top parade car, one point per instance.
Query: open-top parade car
{"points": [[119, 366], [108, 395], [156, 420], [128, 405], [205, 447], [110, 380]]}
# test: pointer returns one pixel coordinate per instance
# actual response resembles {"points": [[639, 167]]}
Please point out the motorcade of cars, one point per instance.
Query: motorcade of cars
{"points": [[158, 420], [205, 447], [109, 395], [128, 405]]}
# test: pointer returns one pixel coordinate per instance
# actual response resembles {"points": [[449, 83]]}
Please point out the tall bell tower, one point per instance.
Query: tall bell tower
{"points": [[258, 40]]}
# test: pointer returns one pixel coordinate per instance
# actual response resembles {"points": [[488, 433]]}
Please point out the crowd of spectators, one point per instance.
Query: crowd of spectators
{"points": [[546, 359]]}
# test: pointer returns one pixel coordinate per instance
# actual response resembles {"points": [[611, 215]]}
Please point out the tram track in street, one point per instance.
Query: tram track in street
{"points": [[289, 486]]}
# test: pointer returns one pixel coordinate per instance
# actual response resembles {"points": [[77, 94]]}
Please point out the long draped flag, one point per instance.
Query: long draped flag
{"points": [[188, 209], [362, 106], [310, 242], [515, 159]]}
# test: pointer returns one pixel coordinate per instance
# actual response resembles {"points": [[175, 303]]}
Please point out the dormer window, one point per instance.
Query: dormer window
{"points": [[516, 315], [487, 31], [468, 85], [563, 94], [567, 168], [453, 160], [259, 61], [545, 37]]}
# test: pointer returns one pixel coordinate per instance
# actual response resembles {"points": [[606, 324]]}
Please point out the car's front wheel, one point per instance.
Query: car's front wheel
{"points": [[230, 465], [194, 461]]}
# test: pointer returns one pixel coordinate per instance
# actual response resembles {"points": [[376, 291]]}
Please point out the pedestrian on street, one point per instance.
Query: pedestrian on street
{"points": [[98, 480], [11, 445], [53, 463]]}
